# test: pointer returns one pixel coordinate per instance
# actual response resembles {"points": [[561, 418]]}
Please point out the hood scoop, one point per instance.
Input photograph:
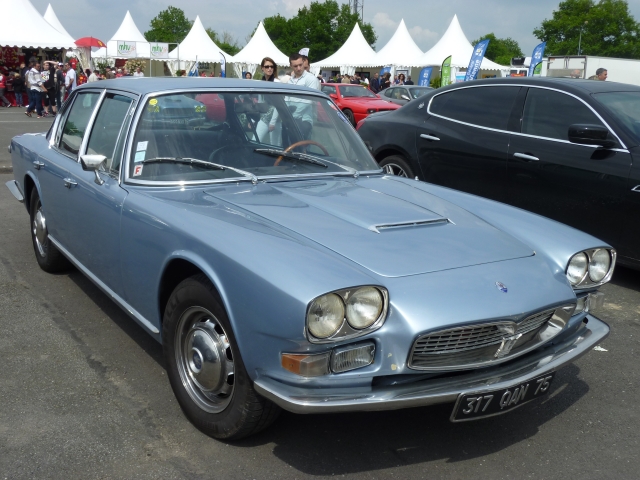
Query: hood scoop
{"points": [[421, 223]]}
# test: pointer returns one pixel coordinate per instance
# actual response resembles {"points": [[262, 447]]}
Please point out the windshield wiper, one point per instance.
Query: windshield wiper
{"points": [[307, 158], [204, 163]]}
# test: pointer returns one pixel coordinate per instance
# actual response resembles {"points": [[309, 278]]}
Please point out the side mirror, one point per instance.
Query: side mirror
{"points": [[334, 96], [587, 134], [92, 163]]}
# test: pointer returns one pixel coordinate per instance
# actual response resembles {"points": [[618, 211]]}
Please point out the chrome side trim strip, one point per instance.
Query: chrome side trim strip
{"points": [[436, 390], [14, 188], [133, 313]]}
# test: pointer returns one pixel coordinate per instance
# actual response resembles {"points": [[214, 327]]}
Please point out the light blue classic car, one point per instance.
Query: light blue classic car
{"points": [[247, 228]]}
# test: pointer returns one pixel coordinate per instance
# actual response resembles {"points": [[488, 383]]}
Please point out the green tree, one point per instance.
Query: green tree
{"points": [[170, 25], [323, 27], [607, 27], [500, 50], [226, 42]]}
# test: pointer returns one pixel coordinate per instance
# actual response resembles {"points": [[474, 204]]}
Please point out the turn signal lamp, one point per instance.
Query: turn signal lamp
{"points": [[306, 365]]}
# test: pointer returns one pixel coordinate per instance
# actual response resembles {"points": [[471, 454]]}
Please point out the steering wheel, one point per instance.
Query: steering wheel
{"points": [[299, 144]]}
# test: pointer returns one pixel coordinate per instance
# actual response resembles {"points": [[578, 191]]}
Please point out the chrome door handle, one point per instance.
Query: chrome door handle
{"points": [[636, 189], [69, 183], [37, 164], [524, 156], [429, 137]]}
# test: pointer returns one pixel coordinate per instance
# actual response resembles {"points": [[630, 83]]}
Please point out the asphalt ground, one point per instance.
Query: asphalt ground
{"points": [[84, 395]]}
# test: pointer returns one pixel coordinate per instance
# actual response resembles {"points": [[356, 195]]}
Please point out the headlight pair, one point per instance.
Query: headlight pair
{"points": [[352, 312], [591, 267]]}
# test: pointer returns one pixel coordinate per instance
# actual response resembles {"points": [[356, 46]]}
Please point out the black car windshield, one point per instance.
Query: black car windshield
{"points": [[215, 136], [356, 91], [625, 107], [419, 91]]}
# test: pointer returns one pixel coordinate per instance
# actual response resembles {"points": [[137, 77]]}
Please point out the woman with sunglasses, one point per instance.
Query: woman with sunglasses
{"points": [[269, 128]]}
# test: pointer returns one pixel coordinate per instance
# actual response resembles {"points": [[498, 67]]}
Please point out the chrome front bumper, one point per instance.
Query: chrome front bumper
{"points": [[436, 390]]}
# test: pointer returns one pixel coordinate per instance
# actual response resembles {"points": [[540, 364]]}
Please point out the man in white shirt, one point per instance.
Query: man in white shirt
{"points": [[138, 73], [70, 78], [93, 77], [300, 75], [304, 112]]}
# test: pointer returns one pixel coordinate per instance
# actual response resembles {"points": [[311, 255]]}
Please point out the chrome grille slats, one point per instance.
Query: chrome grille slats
{"points": [[534, 321], [459, 338]]}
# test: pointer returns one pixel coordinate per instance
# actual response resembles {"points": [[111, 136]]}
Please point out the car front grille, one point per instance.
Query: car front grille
{"points": [[483, 344]]}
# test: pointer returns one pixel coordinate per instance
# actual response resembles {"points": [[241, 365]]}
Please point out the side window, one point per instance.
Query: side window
{"points": [[389, 92], [109, 129], [77, 121], [549, 114], [484, 106], [329, 89]]}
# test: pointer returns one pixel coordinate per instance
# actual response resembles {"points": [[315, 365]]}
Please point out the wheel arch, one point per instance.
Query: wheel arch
{"points": [[30, 183], [388, 151]]}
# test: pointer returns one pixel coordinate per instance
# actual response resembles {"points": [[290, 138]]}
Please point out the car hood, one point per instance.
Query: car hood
{"points": [[370, 102], [387, 227]]}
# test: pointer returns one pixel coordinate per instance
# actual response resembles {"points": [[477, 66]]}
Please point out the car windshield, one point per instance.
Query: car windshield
{"points": [[625, 107], [215, 136], [356, 91], [418, 91]]}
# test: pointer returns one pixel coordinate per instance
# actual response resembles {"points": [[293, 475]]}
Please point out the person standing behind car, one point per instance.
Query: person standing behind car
{"points": [[3, 87], [374, 84], [34, 80], [49, 82], [385, 82], [269, 128], [59, 86], [70, 79], [18, 89]]}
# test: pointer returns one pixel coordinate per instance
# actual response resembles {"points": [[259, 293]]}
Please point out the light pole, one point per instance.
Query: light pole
{"points": [[580, 39]]}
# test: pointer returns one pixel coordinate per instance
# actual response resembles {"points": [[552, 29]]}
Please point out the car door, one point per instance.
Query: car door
{"points": [[580, 185], [463, 142], [54, 163], [95, 206]]}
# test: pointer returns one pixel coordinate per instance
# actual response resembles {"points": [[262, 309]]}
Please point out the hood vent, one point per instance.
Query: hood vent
{"points": [[410, 224]]}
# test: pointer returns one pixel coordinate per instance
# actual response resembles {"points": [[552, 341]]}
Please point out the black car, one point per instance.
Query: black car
{"points": [[564, 148]]}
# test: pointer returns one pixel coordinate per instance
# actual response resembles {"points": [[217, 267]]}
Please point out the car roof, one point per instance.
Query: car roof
{"points": [[574, 85], [144, 85]]}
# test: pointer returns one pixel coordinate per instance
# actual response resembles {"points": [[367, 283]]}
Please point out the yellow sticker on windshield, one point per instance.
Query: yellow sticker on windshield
{"points": [[153, 101]]}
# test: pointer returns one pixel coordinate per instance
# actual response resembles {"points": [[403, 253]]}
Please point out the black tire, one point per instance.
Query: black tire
{"points": [[349, 114], [397, 165], [205, 368], [49, 258]]}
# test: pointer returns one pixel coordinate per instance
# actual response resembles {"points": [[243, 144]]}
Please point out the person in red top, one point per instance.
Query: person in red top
{"points": [[3, 86]]}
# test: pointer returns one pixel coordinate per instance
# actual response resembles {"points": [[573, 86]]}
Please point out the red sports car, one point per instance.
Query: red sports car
{"points": [[356, 101]]}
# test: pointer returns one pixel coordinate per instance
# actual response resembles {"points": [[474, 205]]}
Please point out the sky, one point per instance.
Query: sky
{"points": [[426, 20]]}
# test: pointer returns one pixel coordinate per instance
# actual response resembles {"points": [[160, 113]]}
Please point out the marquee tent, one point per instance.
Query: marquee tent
{"points": [[455, 43], [248, 59], [23, 26], [355, 53], [51, 17], [400, 50], [133, 39], [197, 46]]}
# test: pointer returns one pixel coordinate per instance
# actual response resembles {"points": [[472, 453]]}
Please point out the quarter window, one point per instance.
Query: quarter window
{"points": [[77, 121], [549, 114], [483, 106], [389, 92]]}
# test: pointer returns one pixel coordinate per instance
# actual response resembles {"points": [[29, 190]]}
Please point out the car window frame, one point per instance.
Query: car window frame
{"points": [[388, 92], [520, 105]]}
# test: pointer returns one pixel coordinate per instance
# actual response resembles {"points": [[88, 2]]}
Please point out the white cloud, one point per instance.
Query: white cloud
{"points": [[423, 34], [383, 20], [292, 6]]}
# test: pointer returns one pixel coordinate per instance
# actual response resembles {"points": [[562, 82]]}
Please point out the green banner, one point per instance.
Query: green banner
{"points": [[445, 72], [538, 69]]}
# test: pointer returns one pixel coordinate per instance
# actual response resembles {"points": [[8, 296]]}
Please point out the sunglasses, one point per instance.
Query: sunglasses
{"points": [[268, 66]]}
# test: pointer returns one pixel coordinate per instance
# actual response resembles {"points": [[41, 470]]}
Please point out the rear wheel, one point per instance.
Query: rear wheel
{"points": [[48, 256], [205, 368], [349, 114], [397, 165]]}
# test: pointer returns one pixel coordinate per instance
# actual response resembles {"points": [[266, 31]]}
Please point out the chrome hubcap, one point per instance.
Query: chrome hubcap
{"points": [[40, 232], [205, 360], [393, 169]]}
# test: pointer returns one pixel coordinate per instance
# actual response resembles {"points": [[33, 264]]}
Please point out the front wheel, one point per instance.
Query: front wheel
{"points": [[48, 256], [349, 114], [205, 368], [397, 165]]}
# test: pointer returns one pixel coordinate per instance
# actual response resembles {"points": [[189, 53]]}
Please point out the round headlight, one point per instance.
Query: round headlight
{"points": [[577, 268], [599, 265], [325, 316], [364, 307]]}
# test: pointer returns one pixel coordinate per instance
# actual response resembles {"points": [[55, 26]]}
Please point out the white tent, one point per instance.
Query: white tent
{"points": [[197, 46], [355, 53], [455, 43], [23, 26], [248, 59], [400, 50], [51, 17], [129, 33]]}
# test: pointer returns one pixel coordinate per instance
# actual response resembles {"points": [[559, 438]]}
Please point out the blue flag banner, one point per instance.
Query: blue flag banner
{"points": [[476, 60], [425, 76], [536, 58], [385, 70], [223, 65], [194, 70]]}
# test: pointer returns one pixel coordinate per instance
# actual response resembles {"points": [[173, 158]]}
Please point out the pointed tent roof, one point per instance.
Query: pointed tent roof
{"points": [[51, 17], [355, 52], [455, 43], [127, 32], [400, 50], [39, 34], [260, 46], [198, 45]]}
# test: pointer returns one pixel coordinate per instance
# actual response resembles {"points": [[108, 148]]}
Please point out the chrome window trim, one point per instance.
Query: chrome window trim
{"points": [[623, 149], [92, 119], [248, 90], [62, 118]]}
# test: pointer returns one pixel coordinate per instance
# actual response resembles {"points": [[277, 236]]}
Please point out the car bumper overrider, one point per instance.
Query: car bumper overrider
{"points": [[436, 390]]}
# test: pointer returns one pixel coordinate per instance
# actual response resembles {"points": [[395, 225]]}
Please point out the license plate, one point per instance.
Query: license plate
{"points": [[471, 406]]}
